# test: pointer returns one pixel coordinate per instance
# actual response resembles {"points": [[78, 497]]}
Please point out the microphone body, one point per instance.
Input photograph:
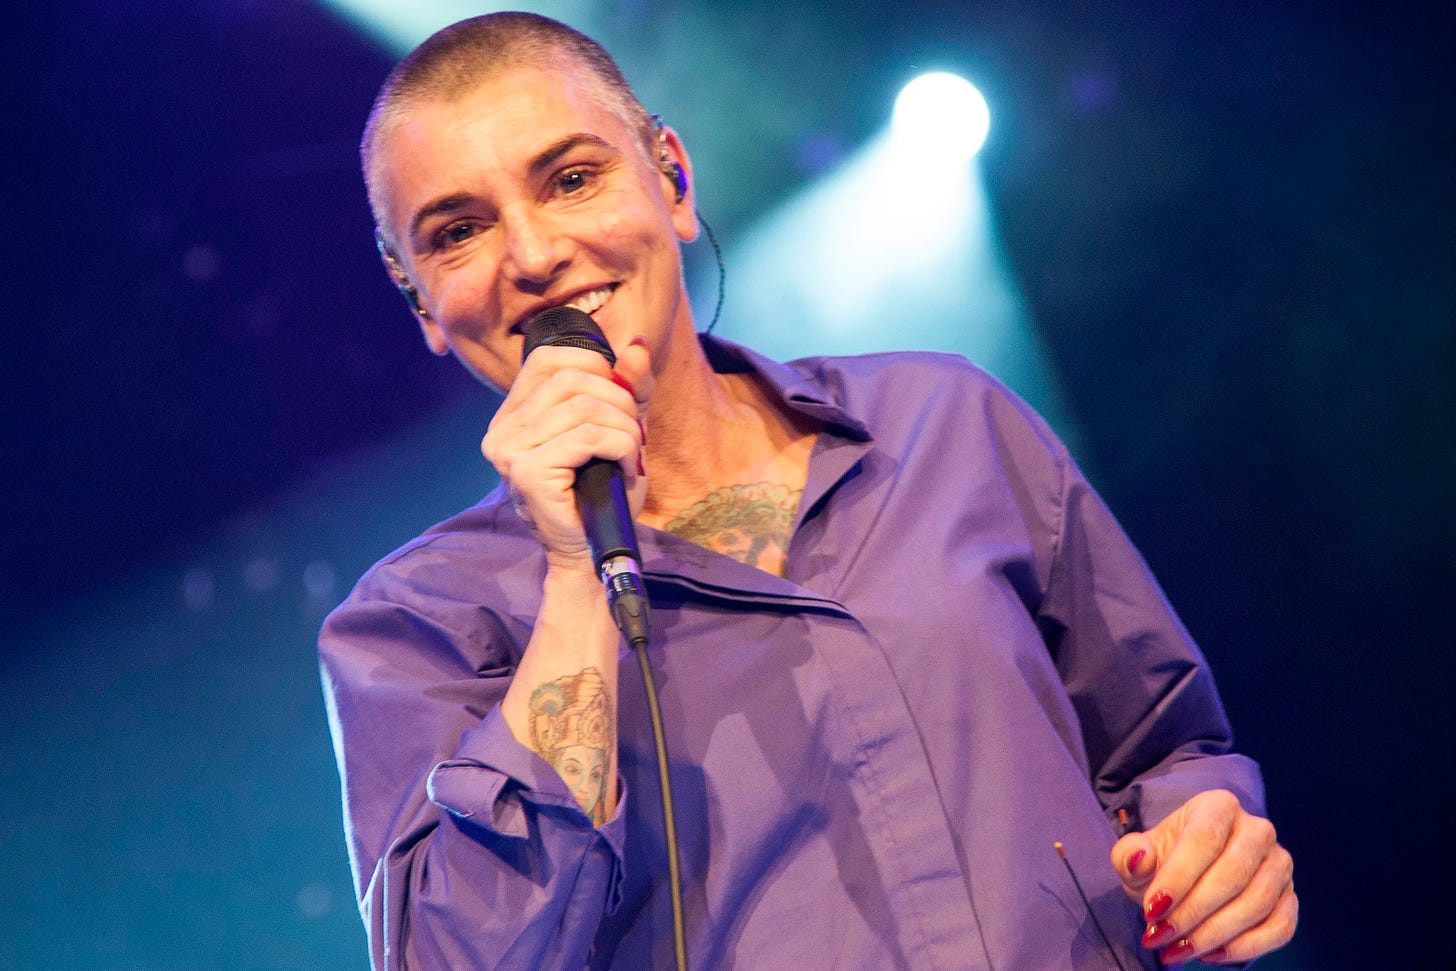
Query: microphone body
{"points": [[601, 497]]}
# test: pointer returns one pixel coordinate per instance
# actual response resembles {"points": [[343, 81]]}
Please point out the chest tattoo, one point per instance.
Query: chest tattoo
{"points": [[742, 521]]}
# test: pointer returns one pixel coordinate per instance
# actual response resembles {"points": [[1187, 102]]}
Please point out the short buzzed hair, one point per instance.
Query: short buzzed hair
{"points": [[453, 61]]}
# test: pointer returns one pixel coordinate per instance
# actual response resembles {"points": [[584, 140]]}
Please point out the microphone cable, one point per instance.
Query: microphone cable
{"points": [[722, 273], [659, 740], [669, 820], [602, 503]]}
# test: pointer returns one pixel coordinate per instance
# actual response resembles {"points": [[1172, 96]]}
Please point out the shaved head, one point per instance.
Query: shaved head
{"points": [[457, 59]]}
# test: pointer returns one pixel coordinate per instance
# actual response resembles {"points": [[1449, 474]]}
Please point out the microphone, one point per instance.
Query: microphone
{"points": [[601, 499]]}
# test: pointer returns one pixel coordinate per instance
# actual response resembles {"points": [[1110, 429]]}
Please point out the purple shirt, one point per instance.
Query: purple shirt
{"points": [[871, 759]]}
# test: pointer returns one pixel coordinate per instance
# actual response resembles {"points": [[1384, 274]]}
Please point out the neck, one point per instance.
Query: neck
{"points": [[723, 441]]}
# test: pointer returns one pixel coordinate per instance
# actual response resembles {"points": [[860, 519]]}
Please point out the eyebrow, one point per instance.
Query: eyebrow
{"points": [[563, 145], [435, 208], [542, 160]]}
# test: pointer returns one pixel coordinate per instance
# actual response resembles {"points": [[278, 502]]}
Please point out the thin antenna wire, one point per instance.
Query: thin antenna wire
{"points": [[722, 273], [674, 875], [1083, 894]]}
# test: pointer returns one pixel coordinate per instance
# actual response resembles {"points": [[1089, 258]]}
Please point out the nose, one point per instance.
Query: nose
{"points": [[535, 251]]}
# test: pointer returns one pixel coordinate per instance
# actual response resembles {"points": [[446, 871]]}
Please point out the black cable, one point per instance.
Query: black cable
{"points": [[659, 740], [722, 273], [1061, 851], [674, 873]]}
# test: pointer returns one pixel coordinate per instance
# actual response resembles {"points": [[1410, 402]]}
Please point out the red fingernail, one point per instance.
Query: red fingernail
{"points": [[623, 383], [642, 427], [1158, 905], [1158, 934], [1216, 956], [1178, 953], [641, 469], [1137, 858]]}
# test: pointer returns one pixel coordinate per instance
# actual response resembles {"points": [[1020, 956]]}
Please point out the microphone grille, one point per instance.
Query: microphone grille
{"points": [[566, 327]]}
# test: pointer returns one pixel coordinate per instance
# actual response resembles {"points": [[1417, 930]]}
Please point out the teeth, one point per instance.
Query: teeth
{"points": [[591, 301]]}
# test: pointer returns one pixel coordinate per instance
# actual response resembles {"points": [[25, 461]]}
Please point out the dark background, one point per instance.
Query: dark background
{"points": [[1232, 225]]}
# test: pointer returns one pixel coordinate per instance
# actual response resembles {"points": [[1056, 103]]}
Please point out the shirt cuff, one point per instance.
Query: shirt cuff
{"points": [[492, 775]]}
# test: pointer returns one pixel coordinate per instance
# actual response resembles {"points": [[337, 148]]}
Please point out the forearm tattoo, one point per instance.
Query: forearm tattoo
{"points": [[572, 727], [741, 521]]}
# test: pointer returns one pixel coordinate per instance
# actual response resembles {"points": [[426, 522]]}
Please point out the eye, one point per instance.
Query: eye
{"points": [[455, 234], [571, 181]]}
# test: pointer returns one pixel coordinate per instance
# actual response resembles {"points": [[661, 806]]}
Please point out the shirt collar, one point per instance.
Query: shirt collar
{"points": [[796, 383]]}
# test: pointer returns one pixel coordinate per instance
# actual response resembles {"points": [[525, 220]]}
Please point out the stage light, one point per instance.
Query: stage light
{"points": [[894, 248], [941, 114]]}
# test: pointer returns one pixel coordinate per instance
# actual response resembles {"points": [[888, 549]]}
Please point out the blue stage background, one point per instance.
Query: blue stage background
{"points": [[1232, 230]]}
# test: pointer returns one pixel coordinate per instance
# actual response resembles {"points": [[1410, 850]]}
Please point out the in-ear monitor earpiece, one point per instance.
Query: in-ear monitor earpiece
{"points": [[669, 168], [679, 178], [401, 279]]}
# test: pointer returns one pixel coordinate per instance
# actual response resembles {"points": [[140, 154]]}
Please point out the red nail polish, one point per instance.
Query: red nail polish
{"points": [[1178, 953], [641, 469], [623, 383], [1159, 905], [1216, 956], [1158, 934], [1137, 858]]}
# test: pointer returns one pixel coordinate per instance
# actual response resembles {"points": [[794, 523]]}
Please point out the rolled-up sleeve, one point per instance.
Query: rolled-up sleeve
{"points": [[1154, 729], [467, 848]]}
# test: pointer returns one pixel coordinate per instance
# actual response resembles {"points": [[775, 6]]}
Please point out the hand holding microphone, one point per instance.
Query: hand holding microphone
{"points": [[561, 440]]}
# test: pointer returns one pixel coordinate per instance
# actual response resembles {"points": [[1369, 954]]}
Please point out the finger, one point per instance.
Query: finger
{"points": [[1272, 933], [541, 363], [570, 413], [1264, 908], [1187, 844], [634, 366], [565, 400], [538, 462], [547, 375], [634, 370], [543, 387], [541, 481], [1232, 874], [1135, 859], [548, 466]]}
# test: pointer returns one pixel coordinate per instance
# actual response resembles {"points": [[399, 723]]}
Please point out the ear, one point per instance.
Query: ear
{"points": [[684, 210], [394, 266], [434, 336]]}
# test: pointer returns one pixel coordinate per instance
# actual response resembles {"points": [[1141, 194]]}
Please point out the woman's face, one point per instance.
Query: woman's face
{"points": [[585, 772]]}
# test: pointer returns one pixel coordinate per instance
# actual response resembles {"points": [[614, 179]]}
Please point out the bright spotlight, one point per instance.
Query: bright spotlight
{"points": [[941, 112]]}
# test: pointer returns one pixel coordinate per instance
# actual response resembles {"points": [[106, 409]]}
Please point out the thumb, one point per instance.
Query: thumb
{"points": [[1135, 858], [634, 366], [633, 371]]}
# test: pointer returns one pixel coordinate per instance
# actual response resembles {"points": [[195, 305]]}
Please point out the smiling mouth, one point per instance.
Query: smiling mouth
{"points": [[591, 301], [588, 302]]}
